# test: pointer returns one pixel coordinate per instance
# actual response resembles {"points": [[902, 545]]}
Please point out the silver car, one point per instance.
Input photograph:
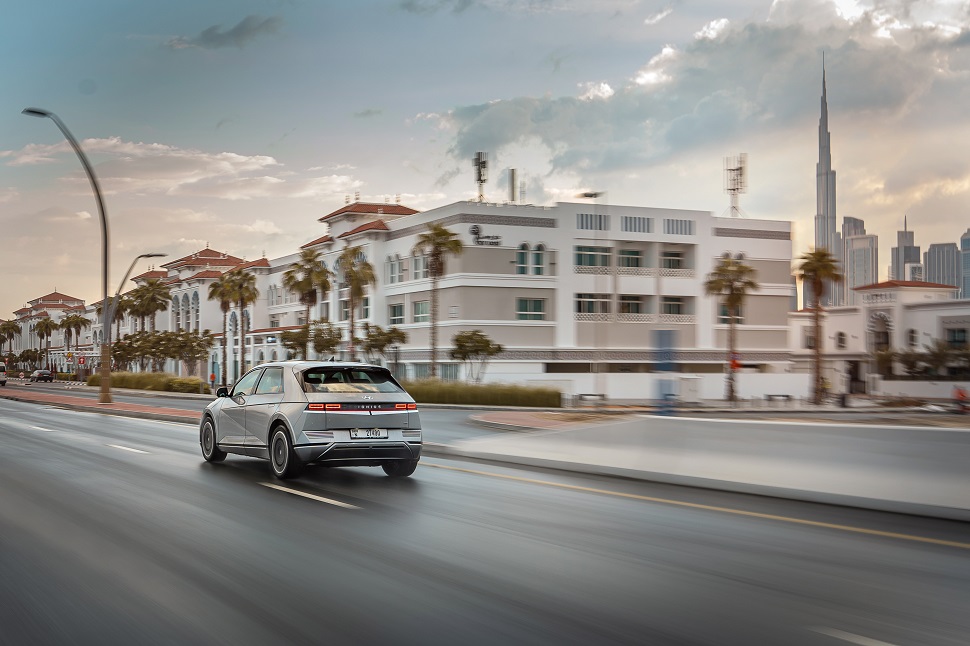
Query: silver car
{"points": [[294, 413]]}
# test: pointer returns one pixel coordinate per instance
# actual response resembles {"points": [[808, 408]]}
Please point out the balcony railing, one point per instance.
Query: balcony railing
{"points": [[636, 318], [677, 318], [587, 269], [676, 273], [636, 271], [589, 317]]}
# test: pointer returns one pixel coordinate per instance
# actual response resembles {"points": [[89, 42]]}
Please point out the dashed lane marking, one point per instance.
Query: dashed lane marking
{"points": [[126, 448], [723, 510], [309, 495], [851, 638], [41, 428]]}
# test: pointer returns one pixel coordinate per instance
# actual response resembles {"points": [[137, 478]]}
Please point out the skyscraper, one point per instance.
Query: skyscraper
{"points": [[941, 264], [861, 254], [826, 236], [904, 253]]}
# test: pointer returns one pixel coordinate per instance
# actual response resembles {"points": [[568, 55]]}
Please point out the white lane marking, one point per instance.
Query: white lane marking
{"points": [[309, 495], [125, 448], [848, 637], [776, 422], [41, 428]]}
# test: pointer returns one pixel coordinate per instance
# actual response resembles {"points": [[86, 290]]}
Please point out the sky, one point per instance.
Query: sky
{"points": [[238, 123]]}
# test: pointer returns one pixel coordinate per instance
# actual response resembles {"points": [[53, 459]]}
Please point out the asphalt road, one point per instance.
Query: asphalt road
{"points": [[115, 531]]}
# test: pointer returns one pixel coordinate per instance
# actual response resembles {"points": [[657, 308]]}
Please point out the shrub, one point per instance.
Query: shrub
{"points": [[161, 381], [434, 391]]}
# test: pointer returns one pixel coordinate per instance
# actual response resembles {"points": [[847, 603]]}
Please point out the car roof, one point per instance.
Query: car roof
{"points": [[304, 365]]}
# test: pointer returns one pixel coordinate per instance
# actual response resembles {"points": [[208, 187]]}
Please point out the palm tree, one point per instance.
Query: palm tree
{"points": [[8, 330], [44, 329], [149, 299], [123, 308], [244, 292], [437, 243], [818, 269], [305, 277], [72, 324], [221, 290], [731, 279], [358, 274]]}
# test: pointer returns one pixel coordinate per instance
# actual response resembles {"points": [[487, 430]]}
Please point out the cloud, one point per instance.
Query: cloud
{"points": [[215, 37], [600, 90], [432, 6], [657, 17], [263, 227], [609, 7], [712, 29], [369, 112]]}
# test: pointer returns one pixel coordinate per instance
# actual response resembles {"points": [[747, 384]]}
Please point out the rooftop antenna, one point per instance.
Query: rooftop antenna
{"points": [[397, 198], [346, 199], [736, 180], [356, 196], [481, 173]]}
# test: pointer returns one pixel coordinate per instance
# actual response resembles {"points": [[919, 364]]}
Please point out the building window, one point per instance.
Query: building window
{"points": [[420, 370], [393, 269], [422, 312], [530, 309], [448, 371], [344, 309], [539, 260], [274, 321], [593, 303], [301, 320], [629, 258], [724, 317], [365, 306], [325, 311], [913, 338], [809, 341], [630, 304], [840, 340], [395, 314], [670, 259], [635, 224], [593, 221], [420, 264], [522, 259], [672, 305], [956, 337], [592, 256], [678, 227]]}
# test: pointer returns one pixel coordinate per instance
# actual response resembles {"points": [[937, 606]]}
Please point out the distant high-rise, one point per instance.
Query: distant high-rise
{"points": [[861, 254], [965, 265], [826, 235], [941, 264], [904, 253]]}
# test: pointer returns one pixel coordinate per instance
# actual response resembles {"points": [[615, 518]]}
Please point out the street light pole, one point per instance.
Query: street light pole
{"points": [[117, 296], [597, 330], [105, 397]]}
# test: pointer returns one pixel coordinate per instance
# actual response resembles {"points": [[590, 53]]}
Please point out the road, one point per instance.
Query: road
{"points": [[114, 530]]}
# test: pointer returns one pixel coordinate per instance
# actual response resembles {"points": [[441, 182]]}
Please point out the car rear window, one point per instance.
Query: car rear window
{"points": [[349, 380]]}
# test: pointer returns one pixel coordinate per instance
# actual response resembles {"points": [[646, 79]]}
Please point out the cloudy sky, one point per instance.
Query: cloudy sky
{"points": [[238, 123]]}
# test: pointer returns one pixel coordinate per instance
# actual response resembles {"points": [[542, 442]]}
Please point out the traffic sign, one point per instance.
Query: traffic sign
{"points": [[80, 361]]}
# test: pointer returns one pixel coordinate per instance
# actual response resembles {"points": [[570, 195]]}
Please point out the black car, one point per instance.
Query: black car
{"points": [[41, 375]]}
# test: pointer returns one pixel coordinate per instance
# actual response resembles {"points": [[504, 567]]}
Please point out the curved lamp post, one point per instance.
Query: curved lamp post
{"points": [[595, 195], [105, 348]]}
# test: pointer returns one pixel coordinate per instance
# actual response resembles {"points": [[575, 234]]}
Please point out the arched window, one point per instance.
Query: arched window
{"points": [[259, 357], [913, 338], [177, 314], [539, 260], [196, 312], [522, 259], [273, 356], [186, 312], [233, 324], [840, 340]]}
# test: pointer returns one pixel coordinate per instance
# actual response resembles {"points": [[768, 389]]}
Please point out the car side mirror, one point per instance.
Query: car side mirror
{"points": [[222, 392]]}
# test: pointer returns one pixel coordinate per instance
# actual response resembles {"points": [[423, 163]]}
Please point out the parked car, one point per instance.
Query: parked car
{"points": [[3, 374], [41, 375], [295, 413]]}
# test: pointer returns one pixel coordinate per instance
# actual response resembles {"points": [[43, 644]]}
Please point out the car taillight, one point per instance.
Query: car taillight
{"points": [[323, 407], [412, 407]]}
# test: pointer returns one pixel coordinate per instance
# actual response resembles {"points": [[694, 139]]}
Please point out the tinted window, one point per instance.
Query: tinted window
{"points": [[349, 380], [245, 385], [271, 383]]}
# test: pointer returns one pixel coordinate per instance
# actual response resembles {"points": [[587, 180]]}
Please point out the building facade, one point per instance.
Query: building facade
{"points": [[861, 258], [941, 264]]}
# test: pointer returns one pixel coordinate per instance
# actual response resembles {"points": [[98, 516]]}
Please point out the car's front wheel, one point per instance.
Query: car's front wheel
{"points": [[285, 462], [400, 468], [207, 438]]}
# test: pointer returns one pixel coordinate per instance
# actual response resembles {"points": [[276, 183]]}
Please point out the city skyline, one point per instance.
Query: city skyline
{"points": [[241, 126]]}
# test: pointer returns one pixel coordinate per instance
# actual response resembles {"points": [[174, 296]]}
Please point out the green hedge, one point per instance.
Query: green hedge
{"points": [[434, 391], [153, 381]]}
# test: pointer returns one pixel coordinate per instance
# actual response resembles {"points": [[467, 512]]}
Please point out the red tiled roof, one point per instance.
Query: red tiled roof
{"points": [[201, 257], [157, 273], [371, 209], [317, 241], [376, 225], [22, 310], [262, 262], [905, 283], [56, 296], [209, 273]]}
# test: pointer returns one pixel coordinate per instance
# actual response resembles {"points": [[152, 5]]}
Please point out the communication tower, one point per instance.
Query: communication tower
{"points": [[736, 180], [481, 173]]}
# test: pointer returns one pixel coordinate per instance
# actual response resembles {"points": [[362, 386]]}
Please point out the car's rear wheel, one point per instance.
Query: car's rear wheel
{"points": [[207, 438], [400, 468], [282, 457]]}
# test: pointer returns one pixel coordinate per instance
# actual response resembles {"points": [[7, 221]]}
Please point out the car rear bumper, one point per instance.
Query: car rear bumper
{"points": [[358, 453]]}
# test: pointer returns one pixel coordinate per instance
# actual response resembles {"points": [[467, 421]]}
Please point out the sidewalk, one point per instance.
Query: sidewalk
{"points": [[86, 404]]}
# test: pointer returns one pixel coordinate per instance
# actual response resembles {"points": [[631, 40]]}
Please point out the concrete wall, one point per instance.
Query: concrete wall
{"points": [[920, 389]]}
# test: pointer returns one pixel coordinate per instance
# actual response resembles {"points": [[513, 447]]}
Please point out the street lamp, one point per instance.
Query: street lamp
{"points": [[105, 350], [592, 195], [117, 296]]}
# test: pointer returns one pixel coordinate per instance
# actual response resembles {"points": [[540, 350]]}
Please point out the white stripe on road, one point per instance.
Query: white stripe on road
{"points": [[309, 495], [848, 637], [126, 448], [41, 428]]}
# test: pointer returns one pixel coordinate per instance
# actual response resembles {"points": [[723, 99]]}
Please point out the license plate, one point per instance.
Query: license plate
{"points": [[368, 433]]}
